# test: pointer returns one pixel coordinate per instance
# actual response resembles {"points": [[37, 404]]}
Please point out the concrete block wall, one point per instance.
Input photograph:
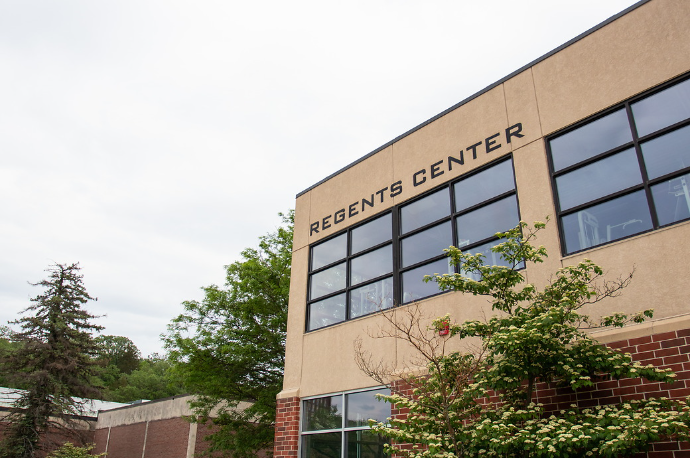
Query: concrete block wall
{"points": [[153, 429]]}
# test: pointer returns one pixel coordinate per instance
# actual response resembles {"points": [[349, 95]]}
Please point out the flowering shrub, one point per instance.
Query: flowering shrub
{"points": [[68, 450], [538, 336]]}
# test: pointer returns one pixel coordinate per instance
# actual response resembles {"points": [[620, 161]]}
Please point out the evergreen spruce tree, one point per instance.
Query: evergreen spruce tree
{"points": [[54, 363]]}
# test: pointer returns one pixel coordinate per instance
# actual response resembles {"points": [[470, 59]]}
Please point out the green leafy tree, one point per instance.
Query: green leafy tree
{"points": [[54, 362], [154, 379], [230, 346], [537, 336], [118, 351], [7, 348]]}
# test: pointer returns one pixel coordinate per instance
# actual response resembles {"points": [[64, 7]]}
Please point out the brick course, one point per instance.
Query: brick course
{"points": [[664, 350], [287, 428]]}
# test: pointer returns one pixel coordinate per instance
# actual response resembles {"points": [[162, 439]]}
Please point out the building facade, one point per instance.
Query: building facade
{"points": [[593, 136]]}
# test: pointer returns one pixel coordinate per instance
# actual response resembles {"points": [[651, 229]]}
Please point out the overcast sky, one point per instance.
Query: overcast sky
{"points": [[151, 141]]}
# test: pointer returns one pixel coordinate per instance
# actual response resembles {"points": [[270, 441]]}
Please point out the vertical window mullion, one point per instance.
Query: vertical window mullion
{"points": [[452, 209], [641, 166], [349, 245], [555, 198], [344, 422], [396, 250]]}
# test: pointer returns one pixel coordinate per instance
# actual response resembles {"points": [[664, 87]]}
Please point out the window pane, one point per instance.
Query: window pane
{"points": [[486, 221], [666, 154], [327, 312], [363, 406], [491, 259], [329, 251], [592, 139], [322, 413], [662, 109], [599, 179], [326, 445], [371, 265], [612, 220], [371, 298], [483, 186], [426, 244], [672, 200], [328, 281], [370, 234], [365, 444], [413, 286], [424, 211]]}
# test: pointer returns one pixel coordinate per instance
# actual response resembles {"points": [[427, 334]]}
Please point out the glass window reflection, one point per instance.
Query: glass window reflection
{"points": [[672, 200], [667, 154], [363, 406], [371, 234], [590, 140], [325, 445], [371, 298], [426, 244], [329, 251], [599, 179], [371, 265], [413, 286], [663, 109], [365, 444], [486, 221], [484, 185], [327, 312], [425, 211], [608, 221], [328, 281], [322, 413]]}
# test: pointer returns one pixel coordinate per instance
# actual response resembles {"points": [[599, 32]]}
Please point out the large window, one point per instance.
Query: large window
{"points": [[337, 426], [382, 262], [352, 274], [624, 172]]}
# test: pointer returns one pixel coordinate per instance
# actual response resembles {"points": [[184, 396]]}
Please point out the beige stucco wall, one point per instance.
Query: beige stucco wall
{"points": [[638, 51]]}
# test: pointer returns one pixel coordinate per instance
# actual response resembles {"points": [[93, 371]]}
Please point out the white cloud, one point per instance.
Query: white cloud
{"points": [[153, 140]]}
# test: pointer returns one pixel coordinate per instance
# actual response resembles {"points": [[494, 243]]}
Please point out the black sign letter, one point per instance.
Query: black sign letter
{"points": [[489, 142], [339, 216], [396, 188], [472, 147], [351, 210], [511, 133], [424, 178], [435, 170]]}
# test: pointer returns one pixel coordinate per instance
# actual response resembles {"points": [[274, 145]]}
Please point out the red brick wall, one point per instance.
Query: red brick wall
{"points": [[125, 441], [167, 438], [664, 350], [287, 428], [100, 439], [164, 439], [204, 430]]}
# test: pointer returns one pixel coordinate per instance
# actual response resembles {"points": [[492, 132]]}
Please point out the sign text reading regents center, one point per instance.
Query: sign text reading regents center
{"points": [[491, 143]]}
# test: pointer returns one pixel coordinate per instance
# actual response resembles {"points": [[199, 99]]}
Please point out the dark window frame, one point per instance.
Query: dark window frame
{"points": [[397, 239], [646, 183], [344, 429], [347, 260]]}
